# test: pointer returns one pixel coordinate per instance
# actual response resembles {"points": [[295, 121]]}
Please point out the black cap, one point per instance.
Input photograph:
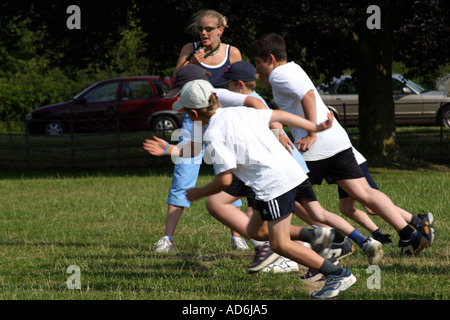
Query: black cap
{"points": [[241, 70], [184, 75]]}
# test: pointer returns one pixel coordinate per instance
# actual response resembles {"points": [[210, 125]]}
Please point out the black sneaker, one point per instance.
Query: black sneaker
{"points": [[385, 239], [341, 250], [414, 245], [263, 257], [428, 229]]}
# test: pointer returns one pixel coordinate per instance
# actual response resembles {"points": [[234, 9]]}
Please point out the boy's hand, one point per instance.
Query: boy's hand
{"points": [[286, 142], [156, 147], [326, 124], [193, 194], [305, 143]]}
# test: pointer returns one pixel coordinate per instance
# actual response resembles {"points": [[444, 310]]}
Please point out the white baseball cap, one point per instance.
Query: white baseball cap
{"points": [[194, 95]]}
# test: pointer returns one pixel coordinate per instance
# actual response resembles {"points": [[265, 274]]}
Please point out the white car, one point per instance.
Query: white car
{"points": [[413, 104]]}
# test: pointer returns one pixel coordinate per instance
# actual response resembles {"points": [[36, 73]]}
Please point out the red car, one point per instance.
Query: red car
{"points": [[134, 103]]}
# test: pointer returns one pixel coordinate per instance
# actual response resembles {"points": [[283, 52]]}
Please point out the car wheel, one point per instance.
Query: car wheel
{"points": [[444, 119], [164, 123], [54, 128]]}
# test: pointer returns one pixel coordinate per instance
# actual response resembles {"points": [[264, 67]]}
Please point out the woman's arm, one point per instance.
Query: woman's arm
{"points": [[235, 55], [185, 52]]}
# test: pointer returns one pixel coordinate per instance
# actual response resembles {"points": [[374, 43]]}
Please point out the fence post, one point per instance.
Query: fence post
{"points": [[27, 145], [441, 142], [72, 144], [118, 139], [345, 115]]}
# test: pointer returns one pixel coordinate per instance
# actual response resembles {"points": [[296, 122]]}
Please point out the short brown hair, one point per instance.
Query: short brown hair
{"points": [[249, 84], [267, 44]]}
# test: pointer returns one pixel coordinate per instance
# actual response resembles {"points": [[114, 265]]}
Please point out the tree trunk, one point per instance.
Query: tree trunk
{"points": [[373, 67]]}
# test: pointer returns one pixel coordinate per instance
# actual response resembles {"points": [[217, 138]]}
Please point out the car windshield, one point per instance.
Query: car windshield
{"points": [[83, 92], [412, 85]]}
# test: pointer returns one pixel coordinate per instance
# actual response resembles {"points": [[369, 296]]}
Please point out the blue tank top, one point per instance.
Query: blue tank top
{"points": [[219, 69]]}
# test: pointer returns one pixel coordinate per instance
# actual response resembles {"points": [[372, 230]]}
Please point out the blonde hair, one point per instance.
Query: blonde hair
{"points": [[222, 21]]}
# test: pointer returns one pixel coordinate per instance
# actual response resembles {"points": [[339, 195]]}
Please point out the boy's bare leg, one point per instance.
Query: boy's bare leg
{"points": [[280, 242], [315, 214], [347, 208], [375, 200], [220, 207]]}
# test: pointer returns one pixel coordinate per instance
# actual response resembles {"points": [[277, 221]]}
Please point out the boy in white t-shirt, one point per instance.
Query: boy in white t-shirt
{"points": [[328, 154], [240, 78], [240, 142]]}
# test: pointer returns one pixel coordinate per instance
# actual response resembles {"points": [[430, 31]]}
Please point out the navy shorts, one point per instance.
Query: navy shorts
{"points": [[238, 189], [285, 204], [341, 166]]}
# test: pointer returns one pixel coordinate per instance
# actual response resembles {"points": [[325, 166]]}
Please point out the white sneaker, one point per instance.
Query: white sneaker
{"points": [[282, 264], [164, 245], [335, 284], [373, 249], [237, 243]]}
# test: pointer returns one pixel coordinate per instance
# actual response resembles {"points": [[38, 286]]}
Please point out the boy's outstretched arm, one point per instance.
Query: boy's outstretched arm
{"points": [[159, 147], [218, 184], [292, 120]]}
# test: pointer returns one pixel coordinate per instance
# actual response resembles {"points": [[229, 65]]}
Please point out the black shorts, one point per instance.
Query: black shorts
{"points": [[284, 204], [365, 170], [341, 166], [238, 189], [305, 191]]}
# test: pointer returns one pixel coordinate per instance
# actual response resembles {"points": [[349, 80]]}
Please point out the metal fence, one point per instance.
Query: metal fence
{"points": [[115, 148], [119, 148]]}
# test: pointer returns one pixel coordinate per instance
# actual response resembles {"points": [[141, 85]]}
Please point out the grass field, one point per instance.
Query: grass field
{"points": [[106, 224]]}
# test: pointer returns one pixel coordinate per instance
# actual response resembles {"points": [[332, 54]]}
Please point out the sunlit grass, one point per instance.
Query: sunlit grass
{"points": [[106, 223]]}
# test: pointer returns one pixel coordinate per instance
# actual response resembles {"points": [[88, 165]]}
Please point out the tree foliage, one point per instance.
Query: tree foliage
{"points": [[42, 61]]}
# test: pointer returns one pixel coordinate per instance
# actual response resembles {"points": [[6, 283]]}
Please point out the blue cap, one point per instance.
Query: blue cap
{"points": [[241, 70], [184, 75]]}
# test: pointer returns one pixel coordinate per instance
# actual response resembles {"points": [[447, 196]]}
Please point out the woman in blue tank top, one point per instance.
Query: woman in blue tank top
{"points": [[210, 53]]}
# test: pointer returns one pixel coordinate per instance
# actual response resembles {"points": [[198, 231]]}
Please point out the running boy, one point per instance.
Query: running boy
{"points": [[240, 142], [328, 154], [240, 78]]}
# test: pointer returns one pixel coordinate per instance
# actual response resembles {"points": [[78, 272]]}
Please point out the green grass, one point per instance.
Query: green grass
{"points": [[107, 222]]}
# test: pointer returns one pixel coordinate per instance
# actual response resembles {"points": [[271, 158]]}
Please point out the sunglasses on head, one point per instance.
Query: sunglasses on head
{"points": [[208, 29]]}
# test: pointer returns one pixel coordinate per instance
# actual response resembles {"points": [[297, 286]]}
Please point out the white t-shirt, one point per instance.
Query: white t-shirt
{"points": [[239, 138], [289, 85], [227, 99]]}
